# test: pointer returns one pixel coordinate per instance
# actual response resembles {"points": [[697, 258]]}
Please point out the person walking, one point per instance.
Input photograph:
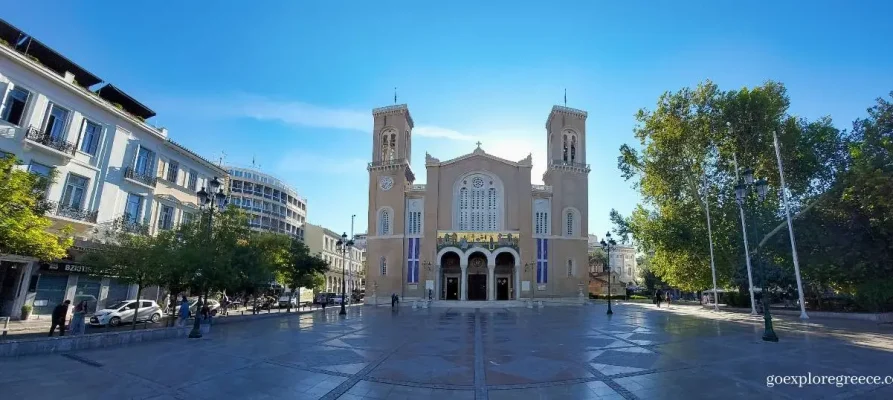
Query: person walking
{"points": [[668, 299], [657, 297], [184, 312], [60, 314], [77, 321]]}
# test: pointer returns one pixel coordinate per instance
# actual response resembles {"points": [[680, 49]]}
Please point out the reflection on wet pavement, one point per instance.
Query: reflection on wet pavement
{"points": [[558, 352]]}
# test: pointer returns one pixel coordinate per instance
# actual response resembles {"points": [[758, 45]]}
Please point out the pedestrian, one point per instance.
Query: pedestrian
{"points": [[184, 312], [668, 299], [657, 297], [60, 314], [393, 300], [77, 321]]}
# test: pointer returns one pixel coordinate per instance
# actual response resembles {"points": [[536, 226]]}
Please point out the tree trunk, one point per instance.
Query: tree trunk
{"points": [[291, 297], [136, 312]]}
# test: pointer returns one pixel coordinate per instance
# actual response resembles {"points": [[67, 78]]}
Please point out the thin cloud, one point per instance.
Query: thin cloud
{"points": [[299, 161]]}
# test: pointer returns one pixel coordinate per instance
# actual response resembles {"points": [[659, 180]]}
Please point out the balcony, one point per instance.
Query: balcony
{"points": [[570, 165], [125, 224], [541, 188], [141, 178], [72, 213], [387, 163], [45, 141]]}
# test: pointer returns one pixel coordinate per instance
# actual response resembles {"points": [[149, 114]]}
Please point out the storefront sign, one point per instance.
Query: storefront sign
{"points": [[70, 267]]}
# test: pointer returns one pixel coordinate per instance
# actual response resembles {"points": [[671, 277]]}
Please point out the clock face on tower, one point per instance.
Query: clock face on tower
{"points": [[385, 183]]}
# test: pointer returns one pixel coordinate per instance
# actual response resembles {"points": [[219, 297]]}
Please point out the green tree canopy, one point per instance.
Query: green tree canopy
{"points": [[24, 230]]}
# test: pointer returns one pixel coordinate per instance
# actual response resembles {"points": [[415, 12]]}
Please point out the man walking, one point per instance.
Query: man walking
{"points": [[60, 314]]}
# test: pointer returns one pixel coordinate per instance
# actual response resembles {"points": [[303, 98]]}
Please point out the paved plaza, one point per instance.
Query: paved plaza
{"points": [[550, 353]]}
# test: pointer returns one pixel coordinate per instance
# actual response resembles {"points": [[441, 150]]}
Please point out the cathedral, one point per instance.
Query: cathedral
{"points": [[477, 229]]}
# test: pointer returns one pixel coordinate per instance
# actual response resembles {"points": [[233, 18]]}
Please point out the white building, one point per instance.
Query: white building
{"points": [[324, 241], [271, 204], [623, 264], [112, 168]]}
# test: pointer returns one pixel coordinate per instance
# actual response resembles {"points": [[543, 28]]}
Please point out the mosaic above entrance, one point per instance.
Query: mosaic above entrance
{"points": [[488, 240]]}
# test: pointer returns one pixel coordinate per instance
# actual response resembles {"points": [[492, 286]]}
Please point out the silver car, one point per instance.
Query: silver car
{"points": [[123, 311]]}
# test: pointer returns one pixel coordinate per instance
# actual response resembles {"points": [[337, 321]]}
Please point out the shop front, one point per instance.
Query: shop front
{"points": [[58, 281]]}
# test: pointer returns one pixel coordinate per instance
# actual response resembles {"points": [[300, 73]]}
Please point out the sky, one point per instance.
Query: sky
{"points": [[290, 85]]}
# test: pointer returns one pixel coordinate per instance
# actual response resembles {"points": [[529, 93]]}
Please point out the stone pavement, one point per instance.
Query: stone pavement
{"points": [[550, 353]]}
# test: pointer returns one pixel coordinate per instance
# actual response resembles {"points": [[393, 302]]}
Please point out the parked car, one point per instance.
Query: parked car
{"points": [[325, 298], [122, 311], [285, 300]]}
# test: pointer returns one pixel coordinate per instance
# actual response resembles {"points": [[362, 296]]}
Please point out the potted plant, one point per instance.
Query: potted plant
{"points": [[26, 311]]}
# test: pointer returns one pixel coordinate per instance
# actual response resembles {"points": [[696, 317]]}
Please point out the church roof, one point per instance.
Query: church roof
{"points": [[478, 152]]}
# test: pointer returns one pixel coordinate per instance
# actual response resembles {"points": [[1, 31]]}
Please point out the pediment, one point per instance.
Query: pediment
{"points": [[479, 153]]}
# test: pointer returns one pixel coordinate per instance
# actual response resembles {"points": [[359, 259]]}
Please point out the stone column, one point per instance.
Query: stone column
{"points": [[437, 290], [518, 282], [463, 282], [491, 282]]}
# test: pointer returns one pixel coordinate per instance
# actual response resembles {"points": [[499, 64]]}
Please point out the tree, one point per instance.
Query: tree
{"points": [[132, 258], [687, 148], [23, 226], [302, 269]]}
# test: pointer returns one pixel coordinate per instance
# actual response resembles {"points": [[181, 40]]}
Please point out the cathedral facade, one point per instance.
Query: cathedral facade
{"points": [[477, 229]]}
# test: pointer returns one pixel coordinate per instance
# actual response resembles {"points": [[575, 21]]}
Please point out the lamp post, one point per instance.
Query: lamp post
{"points": [[609, 246], [344, 245], [741, 192], [207, 201]]}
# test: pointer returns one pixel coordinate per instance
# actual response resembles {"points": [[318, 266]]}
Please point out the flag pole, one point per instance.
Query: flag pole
{"points": [[787, 212], [753, 307], [710, 239]]}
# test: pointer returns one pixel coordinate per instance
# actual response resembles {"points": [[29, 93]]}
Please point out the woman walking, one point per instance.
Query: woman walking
{"points": [[77, 321]]}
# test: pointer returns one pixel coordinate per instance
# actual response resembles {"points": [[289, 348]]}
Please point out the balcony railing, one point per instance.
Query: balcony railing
{"points": [[570, 164], [384, 163], [542, 188], [129, 225], [43, 138], [66, 211], [133, 174]]}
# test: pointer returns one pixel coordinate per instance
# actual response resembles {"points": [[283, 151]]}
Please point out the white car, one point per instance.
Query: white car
{"points": [[337, 300], [122, 311]]}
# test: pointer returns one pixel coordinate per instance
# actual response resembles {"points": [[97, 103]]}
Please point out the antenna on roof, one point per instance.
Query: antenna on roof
{"points": [[565, 97], [222, 156], [395, 95]]}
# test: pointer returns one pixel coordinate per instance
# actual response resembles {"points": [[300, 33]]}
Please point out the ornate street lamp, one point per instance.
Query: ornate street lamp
{"points": [[216, 199], [343, 244], [761, 187], [609, 247]]}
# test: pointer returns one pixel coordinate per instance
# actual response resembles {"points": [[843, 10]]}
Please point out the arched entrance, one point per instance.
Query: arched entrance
{"points": [[450, 275], [477, 276], [504, 276]]}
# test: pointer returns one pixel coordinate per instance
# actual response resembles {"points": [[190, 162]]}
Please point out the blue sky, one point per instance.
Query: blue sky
{"points": [[292, 83]]}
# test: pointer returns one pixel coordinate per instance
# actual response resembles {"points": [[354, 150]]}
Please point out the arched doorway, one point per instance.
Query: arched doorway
{"points": [[477, 276], [505, 282], [451, 275]]}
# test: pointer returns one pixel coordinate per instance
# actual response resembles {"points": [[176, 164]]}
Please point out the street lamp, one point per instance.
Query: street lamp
{"points": [[344, 245], [207, 201], [761, 187], [609, 246]]}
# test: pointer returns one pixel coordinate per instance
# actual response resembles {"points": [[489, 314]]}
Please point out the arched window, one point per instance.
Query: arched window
{"points": [[573, 148], [383, 266], [393, 150], [564, 148], [541, 209], [384, 221], [385, 147], [571, 220], [478, 203], [570, 223]]}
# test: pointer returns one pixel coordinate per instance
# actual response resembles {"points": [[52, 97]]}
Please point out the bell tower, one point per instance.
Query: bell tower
{"points": [[568, 175], [389, 176]]}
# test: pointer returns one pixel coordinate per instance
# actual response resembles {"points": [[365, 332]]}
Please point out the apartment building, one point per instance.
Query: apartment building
{"points": [[271, 204], [112, 169], [324, 241]]}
